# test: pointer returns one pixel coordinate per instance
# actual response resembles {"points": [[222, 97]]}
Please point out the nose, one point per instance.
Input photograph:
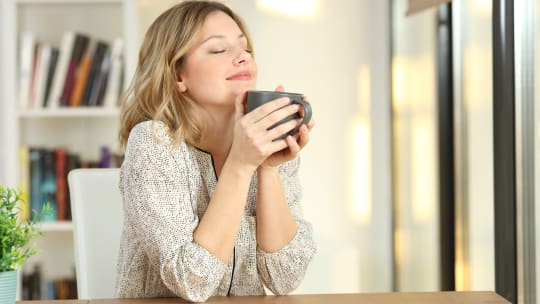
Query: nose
{"points": [[243, 57]]}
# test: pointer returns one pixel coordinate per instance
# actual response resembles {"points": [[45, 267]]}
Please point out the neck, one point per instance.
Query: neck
{"points": [[217, 135]]}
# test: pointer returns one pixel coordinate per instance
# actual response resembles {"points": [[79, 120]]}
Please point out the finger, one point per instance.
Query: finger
{"points": [[240, 108], [277, 145], [294, 148], [311, 124], [277, 116], [267, 108], [280, 88], [281, 129], [303, 136]]}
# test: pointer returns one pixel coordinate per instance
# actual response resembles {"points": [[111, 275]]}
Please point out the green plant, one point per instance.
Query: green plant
{"points": [[16, 235]]}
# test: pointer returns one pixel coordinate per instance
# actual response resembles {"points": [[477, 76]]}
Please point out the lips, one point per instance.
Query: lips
{"points": [[244, 75]]}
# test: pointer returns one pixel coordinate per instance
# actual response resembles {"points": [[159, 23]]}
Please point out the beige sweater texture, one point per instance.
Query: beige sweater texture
{"points": [[166, 190]]}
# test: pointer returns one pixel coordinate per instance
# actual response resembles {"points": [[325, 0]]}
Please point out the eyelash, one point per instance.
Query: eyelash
{"points": [[223, 51]]}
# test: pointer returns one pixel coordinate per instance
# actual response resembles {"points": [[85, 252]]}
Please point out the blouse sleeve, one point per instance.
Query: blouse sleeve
{"points": [[159, 209], [283, 271]]}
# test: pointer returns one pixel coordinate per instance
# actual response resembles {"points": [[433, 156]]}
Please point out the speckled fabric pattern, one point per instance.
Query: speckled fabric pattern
{"points": [[166, 190]]}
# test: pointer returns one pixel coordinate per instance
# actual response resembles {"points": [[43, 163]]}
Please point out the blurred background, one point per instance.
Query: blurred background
{"points": [[420, 174]]}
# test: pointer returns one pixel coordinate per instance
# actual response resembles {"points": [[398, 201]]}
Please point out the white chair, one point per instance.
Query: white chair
{"points": [[96, 208]]}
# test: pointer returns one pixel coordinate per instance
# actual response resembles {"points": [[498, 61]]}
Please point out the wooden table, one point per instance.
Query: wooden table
{"points": [[465, 297]]}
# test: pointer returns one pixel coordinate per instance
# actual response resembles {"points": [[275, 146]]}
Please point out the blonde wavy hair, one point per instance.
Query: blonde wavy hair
{"points": [[153, 94]]}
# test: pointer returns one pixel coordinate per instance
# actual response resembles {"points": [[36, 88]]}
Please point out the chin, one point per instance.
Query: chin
{"points": [[238, 90]]}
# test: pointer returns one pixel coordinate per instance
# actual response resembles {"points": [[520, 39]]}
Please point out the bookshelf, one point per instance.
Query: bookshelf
{"points": [[67, 113], [59, 226], [82, 130]]}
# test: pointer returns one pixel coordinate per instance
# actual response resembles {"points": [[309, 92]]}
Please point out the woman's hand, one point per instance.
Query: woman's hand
{"points": [[253, 143], [294, 143]]}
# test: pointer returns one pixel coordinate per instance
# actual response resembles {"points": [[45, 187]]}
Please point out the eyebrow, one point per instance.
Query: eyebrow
{"points": [[221, 37]]}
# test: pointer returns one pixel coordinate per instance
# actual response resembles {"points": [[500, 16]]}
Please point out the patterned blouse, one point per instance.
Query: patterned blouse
{"points": [[166, 190]]}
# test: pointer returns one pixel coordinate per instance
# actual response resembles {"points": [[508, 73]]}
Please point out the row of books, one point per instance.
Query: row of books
{"points": [[43, 179], [34, 287], [81, 72]]}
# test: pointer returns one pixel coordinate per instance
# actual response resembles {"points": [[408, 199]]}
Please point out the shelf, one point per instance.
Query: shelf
{"points": [[56, 226], [67, 1], [70, 112]]}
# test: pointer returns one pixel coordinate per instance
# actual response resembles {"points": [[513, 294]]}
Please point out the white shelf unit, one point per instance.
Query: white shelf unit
{"points": [[62, 226], [81, 130], [70, 113]]}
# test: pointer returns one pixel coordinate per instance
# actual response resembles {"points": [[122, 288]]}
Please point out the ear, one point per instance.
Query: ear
{"points": [[181, 86], [180, 83]]}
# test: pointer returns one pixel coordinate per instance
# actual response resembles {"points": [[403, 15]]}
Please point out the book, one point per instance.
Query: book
{"points": [[26, 65], [53, 59], [42, 69], [79, 48], [33, 81], [95, 67], [36, 177], [48, 183], [82, 77], [105, 157], [114, 83], [100, 82], [47, 176], [31, 284], [61, 184], [73, 162], [64, 56]]}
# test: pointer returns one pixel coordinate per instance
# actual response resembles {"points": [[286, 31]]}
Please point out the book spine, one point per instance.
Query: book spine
{"points": [[91, 83], [48, 185], [36, 173], [98, 90], [79, 48], [50, 75], [41, 75], [73, 162], [33, 79], [62, 65], [61, 184], [114, 83], [82, 78]]}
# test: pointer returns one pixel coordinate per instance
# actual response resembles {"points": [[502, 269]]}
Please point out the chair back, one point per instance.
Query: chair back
{"points": [[96, 208]]}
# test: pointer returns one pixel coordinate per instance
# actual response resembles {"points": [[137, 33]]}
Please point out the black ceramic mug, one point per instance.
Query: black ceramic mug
{"points": [[258, 98]]}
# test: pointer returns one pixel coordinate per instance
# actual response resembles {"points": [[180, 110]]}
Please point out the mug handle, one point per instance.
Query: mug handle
{"points": [[307, 113]]}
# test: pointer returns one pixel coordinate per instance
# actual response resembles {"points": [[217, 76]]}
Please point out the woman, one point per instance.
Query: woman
{"points": [[211, 201]]}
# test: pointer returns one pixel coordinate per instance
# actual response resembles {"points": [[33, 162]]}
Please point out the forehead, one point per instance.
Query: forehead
{"points": [[219, 23]]}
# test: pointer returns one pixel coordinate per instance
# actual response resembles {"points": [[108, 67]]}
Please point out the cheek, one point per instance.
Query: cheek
{"points": [[255, 70], [199, 75]]}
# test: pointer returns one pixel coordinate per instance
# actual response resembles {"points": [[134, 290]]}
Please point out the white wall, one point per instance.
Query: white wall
{"points": [[322, 56]]}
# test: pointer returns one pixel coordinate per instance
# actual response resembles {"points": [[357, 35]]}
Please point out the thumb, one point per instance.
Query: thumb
{"points": [[280, 88], [240, 105]]}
